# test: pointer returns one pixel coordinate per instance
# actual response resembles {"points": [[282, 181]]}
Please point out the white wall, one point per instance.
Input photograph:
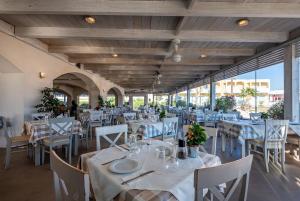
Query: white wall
{"points": [[11, 94], [22, 91]]}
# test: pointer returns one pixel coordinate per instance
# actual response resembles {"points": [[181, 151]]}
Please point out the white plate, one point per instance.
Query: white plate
{"points": [[125, 166]]}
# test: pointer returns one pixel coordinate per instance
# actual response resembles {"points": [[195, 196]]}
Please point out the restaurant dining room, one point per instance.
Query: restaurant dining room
{"points": [[150, 100]]}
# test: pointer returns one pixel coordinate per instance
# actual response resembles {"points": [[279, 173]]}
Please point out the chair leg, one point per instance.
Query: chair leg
{"points": [[7, 156], [70, 153], [231, 145], [282, 159], [266, 157]]}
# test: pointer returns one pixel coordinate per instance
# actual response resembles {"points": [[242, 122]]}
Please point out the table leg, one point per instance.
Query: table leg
{"points": [[37, 154], [75, 145], [223, 142]]}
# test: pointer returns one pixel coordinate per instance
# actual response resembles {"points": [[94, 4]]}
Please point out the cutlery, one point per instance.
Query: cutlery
{"points": [[113, 160], [141, 175], [120, 148], [124, 147]]}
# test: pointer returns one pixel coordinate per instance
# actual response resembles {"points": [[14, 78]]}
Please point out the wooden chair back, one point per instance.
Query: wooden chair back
{"points": [[276, 132], [211, 178], [70, 183], [255, 116], [62, 126], [40, 116], [109, 130], [129, 116]]}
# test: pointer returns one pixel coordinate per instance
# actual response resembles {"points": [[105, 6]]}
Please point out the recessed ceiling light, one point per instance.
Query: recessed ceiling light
{"points": [[90, 19], [114, 55], [203, 55], [243, 22]]}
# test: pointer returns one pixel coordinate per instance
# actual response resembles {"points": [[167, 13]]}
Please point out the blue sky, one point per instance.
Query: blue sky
{"points": [[274, 73]]}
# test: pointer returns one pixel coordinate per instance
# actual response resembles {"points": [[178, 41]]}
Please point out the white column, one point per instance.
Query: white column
{"points": [[212, 94], [291, 85], [171, 102], [131, 101], [146, 99], [188, 97], [176, 96]]}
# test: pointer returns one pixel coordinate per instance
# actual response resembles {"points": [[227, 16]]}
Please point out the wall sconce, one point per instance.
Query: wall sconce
{"points": [[42, 75]]}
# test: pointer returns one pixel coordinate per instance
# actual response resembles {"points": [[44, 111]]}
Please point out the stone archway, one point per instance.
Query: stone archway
{"points": [[79, 83], [118, 95]]}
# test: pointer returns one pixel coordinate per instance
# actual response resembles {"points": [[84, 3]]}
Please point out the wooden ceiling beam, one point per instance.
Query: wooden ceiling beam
{"points": [[152, 68], [184, 19], [151, 8], [150, 73], [153, 35], [151, 51], [126, 61]]}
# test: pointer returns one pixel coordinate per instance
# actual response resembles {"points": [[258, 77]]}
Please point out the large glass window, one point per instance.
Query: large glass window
{"points": [[138, 101], [181, 102], [270, 86], [255, 91], [200, 96]]}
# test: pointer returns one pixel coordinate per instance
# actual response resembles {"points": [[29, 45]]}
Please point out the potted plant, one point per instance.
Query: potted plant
{"points": [[264, 115], [162, 114], [225, 103], [49, 103], [276, 111], [196, 136]]}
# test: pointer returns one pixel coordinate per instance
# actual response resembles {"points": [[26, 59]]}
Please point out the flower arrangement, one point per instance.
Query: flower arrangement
{"points": [[196, 135]]}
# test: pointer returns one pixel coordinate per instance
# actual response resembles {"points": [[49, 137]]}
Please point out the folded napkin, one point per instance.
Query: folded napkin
{"points": [[109, 154]]}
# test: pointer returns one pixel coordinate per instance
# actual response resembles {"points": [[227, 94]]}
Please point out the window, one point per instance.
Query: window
{"points": [[111, 100], [138, 101], [200, 95], [83, 101], [255, 91], [270, 86]]}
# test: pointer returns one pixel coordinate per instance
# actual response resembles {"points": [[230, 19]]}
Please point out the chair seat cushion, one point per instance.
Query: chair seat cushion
{"points": [[293, 139], [270, 144], [20, 140], [57, 141]]}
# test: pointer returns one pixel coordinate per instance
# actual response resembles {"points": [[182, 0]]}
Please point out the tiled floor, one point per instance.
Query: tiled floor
{"points": [[24, 182]]}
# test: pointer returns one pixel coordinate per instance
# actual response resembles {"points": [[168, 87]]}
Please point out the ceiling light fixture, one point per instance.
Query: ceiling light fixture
{"points": [[90, 19], [115, 55], [243, 22], [203, 55]]}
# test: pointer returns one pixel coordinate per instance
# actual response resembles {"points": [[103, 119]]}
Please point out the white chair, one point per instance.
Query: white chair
{"points": [[275, 139], [255, 117], [61, 135], [84, 120], [13, 141], [211, 132], [94, 121], [40, 116], [211, 119], [109, 130], [229, 116], [232, 173], [129, 116], [294, 141], [170, 127], [70, 183], [106, 119]]}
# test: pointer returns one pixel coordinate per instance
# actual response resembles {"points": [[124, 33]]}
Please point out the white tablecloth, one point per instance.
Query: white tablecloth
{"points": [[179, 181]]}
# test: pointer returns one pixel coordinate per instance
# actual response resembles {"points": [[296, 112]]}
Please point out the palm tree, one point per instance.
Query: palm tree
{"points": [[247, 93]]}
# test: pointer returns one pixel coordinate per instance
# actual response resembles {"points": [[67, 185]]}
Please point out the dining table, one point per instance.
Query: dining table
{"points": [[247, 129], [162, 179], [39, 130], [148, 128]]}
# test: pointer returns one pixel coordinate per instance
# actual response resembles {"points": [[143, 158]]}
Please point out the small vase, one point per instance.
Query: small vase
{"points": [[193, 151]]}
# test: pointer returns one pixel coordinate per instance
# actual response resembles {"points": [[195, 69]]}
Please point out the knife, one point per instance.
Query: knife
{"points": [[141, 175], [113, 160]]}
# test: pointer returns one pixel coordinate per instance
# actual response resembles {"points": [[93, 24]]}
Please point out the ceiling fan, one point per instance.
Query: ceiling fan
{"points": [[176, 57]]}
